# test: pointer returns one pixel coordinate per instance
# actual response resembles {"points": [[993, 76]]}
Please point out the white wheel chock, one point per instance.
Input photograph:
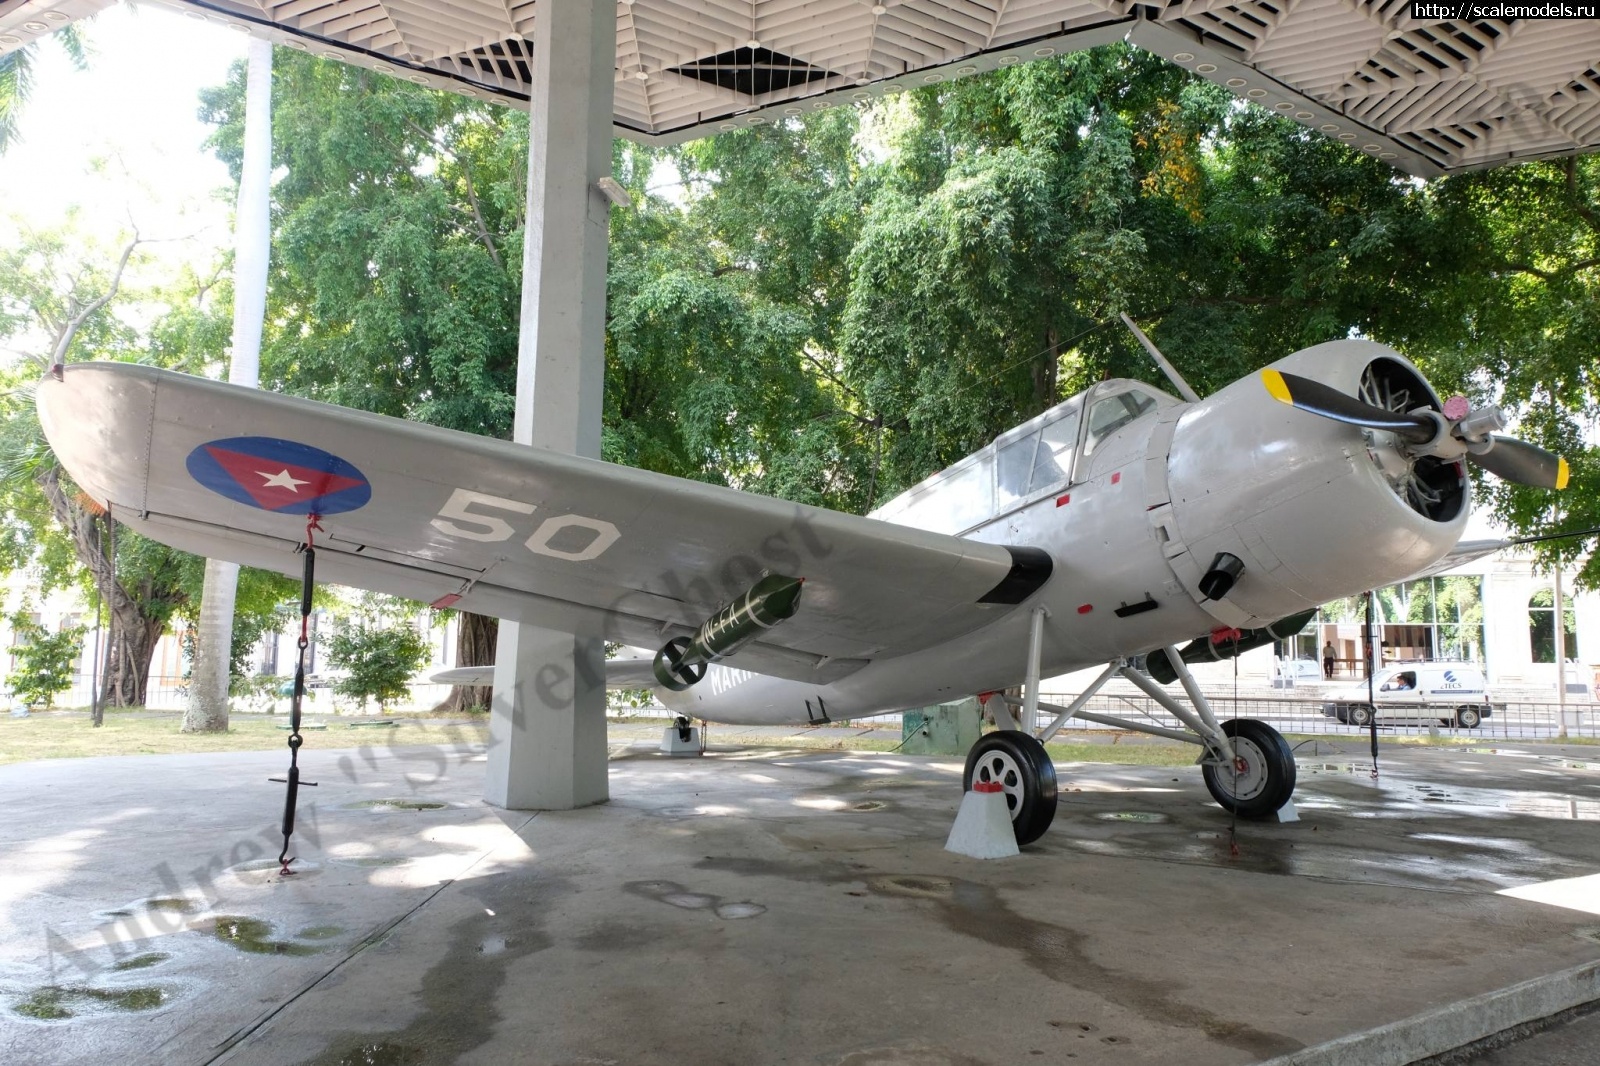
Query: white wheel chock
{"points": [[983, 827]]}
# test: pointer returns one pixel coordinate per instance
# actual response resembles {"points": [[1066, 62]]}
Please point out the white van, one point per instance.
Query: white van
{"points": [[1415, 692]]}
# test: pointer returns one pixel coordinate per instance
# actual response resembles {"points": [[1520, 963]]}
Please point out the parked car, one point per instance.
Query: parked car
{"points": [[1415, 692]]}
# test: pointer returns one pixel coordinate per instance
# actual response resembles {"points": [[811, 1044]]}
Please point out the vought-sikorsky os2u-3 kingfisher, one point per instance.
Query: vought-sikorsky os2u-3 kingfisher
{"points": [[1124, 522]]}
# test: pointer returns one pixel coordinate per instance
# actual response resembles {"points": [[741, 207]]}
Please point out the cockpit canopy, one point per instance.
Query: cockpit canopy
{"points": [[1039, 457]]}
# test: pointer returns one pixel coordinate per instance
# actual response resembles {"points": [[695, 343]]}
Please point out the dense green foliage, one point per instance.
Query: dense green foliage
{"points": [[382, 650], [832, 307], [44, 659]]}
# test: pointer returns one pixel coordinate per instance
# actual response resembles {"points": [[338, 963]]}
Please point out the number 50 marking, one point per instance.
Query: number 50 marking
{"points": [[489, 528]]}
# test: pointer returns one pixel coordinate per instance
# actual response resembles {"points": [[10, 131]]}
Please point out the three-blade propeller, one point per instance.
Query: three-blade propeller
{"points": [[1427, 432]]}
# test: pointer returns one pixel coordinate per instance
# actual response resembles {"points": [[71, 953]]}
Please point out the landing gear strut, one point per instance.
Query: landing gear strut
{"points": [[1247, 765]]}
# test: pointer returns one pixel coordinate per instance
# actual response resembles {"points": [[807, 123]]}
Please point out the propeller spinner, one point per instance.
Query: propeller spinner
{"points": [[1455, 433]]}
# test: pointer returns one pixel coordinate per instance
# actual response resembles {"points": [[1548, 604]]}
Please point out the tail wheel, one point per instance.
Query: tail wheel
{"points": [[1468, 717], [1262, 776], [1027, 778]]}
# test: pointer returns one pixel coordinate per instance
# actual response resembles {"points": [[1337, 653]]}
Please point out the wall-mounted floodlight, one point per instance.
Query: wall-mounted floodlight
{"points": [[614, 192]]}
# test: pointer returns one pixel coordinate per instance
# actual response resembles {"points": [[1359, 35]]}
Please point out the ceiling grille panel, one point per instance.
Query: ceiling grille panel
{"points": [[1428, 96]]}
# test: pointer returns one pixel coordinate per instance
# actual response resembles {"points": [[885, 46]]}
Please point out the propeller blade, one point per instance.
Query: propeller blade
{"points": [[1316, 398], [1526, 464]]}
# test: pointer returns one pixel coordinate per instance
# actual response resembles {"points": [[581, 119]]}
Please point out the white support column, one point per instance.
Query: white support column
{"points": [[547, 726]]}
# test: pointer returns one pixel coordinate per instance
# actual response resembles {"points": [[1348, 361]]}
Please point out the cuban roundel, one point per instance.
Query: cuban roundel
{"points": [[279, 475]]}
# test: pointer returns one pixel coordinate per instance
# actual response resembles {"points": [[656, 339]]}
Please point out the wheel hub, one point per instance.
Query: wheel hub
{"points": [[1249, 766], [999, 768]]}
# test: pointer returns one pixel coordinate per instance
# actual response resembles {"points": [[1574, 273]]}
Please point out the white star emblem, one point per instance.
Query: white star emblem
{"points": [[282, 480]]}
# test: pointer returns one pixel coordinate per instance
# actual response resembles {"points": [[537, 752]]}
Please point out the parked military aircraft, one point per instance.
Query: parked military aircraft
{"points": [[1117, 524]]}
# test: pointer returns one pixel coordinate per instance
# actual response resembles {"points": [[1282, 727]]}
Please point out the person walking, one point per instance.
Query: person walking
{"points": [[1327, 661]]}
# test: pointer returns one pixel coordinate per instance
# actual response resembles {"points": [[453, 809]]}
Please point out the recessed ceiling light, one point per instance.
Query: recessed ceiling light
{"points": [[1369, 147], [1385, 155], [1183, 57], [9, 40], [1044, 51], [1255, 94], [468, 92], [792, 111], [933, 78], [1281, 106], [966, 70], [1328, 127], [819, 105], [241, 27], [35, 27], [1304, 115], [417, 79], [728, 126], [55, 16], [295, 42], [1347, 136], [1006, 61], [196, 15], [861, 96], [1235, 83], [755, 120], [1207, 68]]}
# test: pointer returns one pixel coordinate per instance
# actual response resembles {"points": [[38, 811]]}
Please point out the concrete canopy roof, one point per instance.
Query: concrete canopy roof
{"points": [[1429, 96]]}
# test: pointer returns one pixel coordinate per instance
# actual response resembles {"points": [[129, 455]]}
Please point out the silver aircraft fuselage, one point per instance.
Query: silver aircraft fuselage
{"points": [[1309, 505]]}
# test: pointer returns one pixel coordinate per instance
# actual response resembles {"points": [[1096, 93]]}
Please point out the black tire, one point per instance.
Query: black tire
{"points": [[1266, 779], [1019, 762], [1468, 717], [1361, 714]]}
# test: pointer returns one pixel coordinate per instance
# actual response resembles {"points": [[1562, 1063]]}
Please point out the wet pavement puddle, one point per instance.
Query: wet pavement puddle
{"points": [[675, 895], [254, 936]]}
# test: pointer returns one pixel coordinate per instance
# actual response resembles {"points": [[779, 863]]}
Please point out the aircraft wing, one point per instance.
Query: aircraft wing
{"points": [[457, 520], [620, 673]]}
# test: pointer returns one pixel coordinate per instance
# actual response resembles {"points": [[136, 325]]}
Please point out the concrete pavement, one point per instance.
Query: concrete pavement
{"points": [[767, 905]]}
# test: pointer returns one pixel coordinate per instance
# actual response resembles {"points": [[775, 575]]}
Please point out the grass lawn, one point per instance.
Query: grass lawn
{"points": [[69, 734]]}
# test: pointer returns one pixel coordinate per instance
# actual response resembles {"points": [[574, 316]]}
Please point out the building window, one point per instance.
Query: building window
{"points": [[1542, 626]]}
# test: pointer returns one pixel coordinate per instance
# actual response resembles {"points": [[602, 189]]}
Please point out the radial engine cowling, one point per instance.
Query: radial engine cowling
{"points": [[1315, 509]]}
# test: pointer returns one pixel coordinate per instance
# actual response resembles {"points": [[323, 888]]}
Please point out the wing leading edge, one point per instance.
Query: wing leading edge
{"points": [[454, 519]]}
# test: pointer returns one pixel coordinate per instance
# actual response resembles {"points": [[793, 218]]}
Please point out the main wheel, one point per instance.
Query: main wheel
{"points": [[1361, 714], [1026, 776], [1468, 717], [1262, 776]]}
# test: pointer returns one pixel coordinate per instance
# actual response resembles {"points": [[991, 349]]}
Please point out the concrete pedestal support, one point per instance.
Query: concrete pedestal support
{"points": [[547, 724]]}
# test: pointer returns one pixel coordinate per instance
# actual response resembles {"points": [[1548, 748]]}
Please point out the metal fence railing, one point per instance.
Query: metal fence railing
{"points": [[1520, 720]]}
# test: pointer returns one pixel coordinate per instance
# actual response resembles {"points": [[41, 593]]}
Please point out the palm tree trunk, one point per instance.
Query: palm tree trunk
{"points": [[213, 648]]}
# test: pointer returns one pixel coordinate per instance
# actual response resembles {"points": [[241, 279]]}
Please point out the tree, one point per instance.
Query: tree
{"points": [[379, 644], [213, 655], [57, 300], [16, 76], [44, 659]]}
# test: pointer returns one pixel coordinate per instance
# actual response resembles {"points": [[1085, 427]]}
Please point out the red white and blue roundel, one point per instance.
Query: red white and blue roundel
{"points": [[279, 475]]}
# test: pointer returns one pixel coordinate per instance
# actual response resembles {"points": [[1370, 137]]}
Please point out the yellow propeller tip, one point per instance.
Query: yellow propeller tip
{"points": [[1561, 473], [1276, 386]]}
